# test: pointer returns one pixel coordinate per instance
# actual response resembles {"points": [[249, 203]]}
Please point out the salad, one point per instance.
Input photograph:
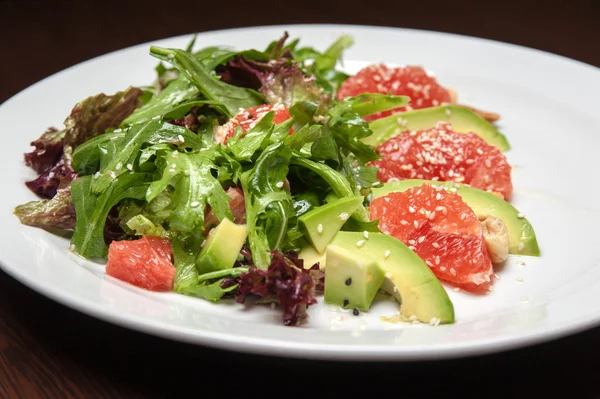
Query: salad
{"points": [[276, 175]]}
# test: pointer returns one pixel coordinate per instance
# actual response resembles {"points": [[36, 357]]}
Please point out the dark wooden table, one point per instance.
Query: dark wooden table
{"points": [[50, 351]]}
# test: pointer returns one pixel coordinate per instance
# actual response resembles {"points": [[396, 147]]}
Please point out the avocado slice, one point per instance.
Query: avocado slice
{"points": [[412, 282], [310, 256], [522, 239], [463, 120], [222, 246], [322, 223], [351, 283]]}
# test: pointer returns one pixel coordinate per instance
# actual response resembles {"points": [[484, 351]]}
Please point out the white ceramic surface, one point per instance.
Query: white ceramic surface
{"points": [[549, 113]]}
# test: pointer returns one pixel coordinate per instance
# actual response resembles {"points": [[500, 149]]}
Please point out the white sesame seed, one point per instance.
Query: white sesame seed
{"points": [[496, 276], [524, 299], [129, 166], [490, 288], [96, 175], [279, 184], [421, 239], [413, 318], [344, 216], [170, 56], [366, 234], [387, 254], [416, 223], [411, 209], [389, 275], [452, 271], [520, 263], [521, 246], [428, 263], [181, 139], [186, 172], [173, 165], [360, 243], [443, 268], [519, 279], [194, 204], [520, 215], [435, 245], [320, 228], [118, 166], [171, 170]]}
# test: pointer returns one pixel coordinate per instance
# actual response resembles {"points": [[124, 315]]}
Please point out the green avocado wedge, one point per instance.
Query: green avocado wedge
{"points": [[407, 277], [522, 238], [322, 223], [463, 120]]}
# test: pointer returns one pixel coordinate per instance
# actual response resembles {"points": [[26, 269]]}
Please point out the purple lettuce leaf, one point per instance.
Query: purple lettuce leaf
{"points": [[285, 282], [47, 152], [280, 81]]}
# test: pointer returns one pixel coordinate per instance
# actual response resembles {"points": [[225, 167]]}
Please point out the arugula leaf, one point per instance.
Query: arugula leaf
{"points": [[268, 206], [230, 98], [338, 182], [194, 188], [92, 210], [187, 281], [118, 163], [209, 291], [177, 91], [330, 57], [244, 148]]}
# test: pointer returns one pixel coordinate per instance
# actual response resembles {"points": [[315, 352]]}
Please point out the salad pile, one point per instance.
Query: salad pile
{"points": [[204, 182]]}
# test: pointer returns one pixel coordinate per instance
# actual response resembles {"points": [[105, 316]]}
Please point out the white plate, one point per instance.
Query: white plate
{"points": [[549, 113]]}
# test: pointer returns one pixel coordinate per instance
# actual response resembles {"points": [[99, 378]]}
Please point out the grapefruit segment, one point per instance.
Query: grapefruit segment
{"points": [[412, 81], [441, 228], [146, 263], [442, 154]]}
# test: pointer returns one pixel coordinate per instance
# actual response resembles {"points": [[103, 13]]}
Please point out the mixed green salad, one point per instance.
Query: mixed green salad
{"points": [[231, 176]]}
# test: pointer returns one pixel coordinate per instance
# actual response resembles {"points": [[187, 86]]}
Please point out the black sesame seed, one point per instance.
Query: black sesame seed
{"points": [[250, 116], [346, 302], [355, 312], [349, 281]]}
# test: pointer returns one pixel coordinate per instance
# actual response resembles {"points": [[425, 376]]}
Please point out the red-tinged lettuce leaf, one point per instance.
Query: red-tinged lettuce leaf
{"points": [[46, 184], [280, 81], [96, 114], [47, 152], [285, 281], [57, 213], [52, 157]]}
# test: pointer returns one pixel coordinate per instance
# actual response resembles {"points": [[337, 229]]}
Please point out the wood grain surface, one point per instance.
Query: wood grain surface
{"points": [[50, 351]]}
